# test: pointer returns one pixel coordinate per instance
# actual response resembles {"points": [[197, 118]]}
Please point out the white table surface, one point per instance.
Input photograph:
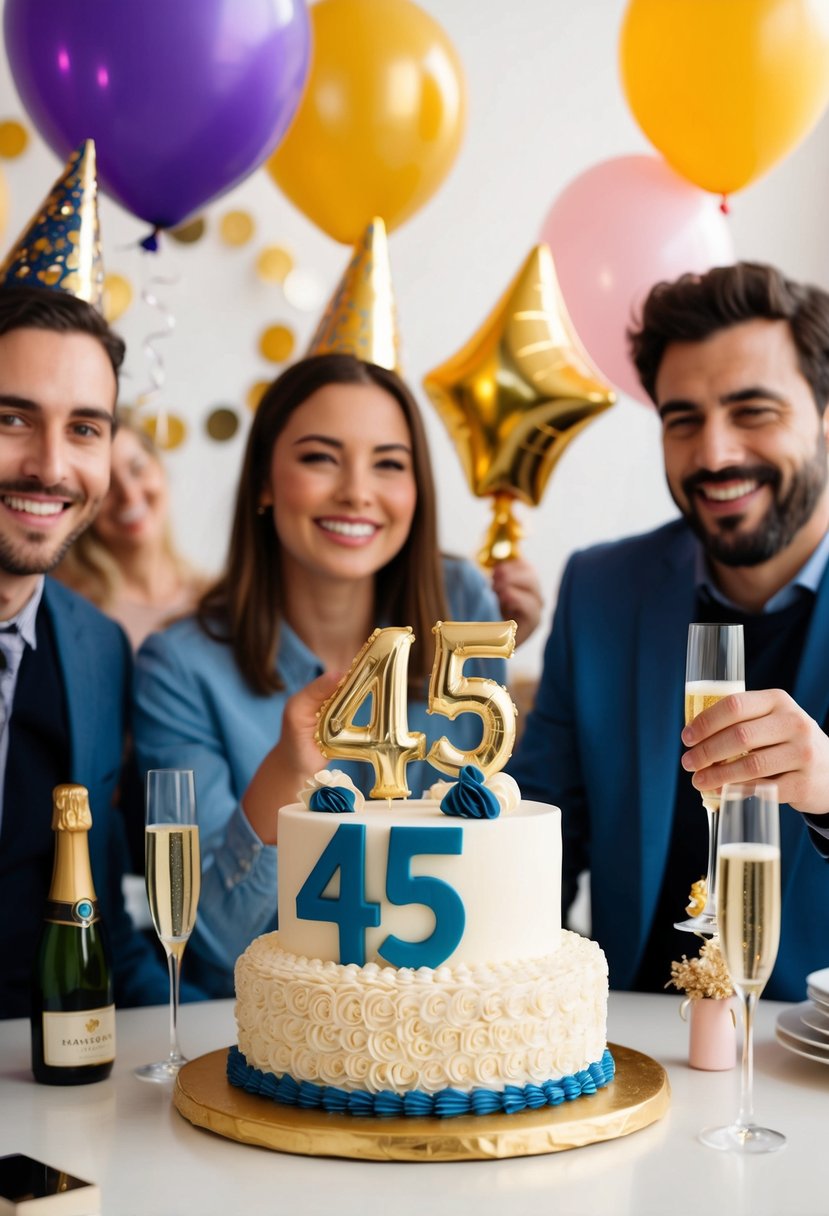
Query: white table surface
{"points": [[124, 1135]]}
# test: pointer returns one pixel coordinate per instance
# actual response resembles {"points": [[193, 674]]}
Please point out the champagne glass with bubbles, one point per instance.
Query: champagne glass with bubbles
{"points": [[748, 911], [714, 668], [173, 874]]}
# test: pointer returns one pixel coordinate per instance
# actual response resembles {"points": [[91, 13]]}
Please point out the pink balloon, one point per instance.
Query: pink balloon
{"points": [[615, 231]]}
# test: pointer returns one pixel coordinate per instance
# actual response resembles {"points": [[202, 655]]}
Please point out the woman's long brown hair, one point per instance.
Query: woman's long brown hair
{"points": [[244, 608]]}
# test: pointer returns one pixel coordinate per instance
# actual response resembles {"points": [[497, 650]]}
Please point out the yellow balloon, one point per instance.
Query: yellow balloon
{"points": [[381, 119], [725, 88]]}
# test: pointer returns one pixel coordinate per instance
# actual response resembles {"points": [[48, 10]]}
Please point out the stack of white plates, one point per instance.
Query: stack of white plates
{"points": [[804, 1028]]}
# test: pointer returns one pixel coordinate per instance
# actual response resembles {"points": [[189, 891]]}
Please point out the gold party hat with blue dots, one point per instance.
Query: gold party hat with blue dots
{"points": [[361, 316], [61, 247]]}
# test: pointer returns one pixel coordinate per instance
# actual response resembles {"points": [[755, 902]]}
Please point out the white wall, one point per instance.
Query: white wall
{"points": [[544, 104]]}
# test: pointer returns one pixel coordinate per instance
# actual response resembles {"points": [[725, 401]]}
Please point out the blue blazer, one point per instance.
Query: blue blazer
{"points": [[603, 743], [96, 663]]}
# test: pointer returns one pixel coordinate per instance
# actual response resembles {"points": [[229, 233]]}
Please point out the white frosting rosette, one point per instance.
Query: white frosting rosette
{"points": [[330, 778], [373, 1028]]}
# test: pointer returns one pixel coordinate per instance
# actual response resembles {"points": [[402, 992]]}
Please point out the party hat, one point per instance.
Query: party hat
{"points": [[61, 247], [361, 316]]}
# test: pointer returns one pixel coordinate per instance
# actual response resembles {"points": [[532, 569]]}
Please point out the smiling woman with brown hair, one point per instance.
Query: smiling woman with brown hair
{"points": [[334, 533]]}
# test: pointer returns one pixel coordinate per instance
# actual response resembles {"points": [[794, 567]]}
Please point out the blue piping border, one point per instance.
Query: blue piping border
{"points": [[416, 1104]]}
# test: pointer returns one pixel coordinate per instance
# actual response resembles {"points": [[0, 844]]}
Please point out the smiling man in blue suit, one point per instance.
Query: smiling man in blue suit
{"points": [[64, 667], [737, 363]]}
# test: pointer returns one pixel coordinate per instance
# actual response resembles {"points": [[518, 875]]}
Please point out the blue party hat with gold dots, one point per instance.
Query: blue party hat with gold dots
{"points": [[361, 316], [61, 247]]}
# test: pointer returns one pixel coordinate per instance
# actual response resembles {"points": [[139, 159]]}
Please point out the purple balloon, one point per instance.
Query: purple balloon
{"points": [[184, 98]]}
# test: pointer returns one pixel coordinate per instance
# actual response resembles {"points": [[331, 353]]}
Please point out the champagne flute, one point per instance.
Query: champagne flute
{"points": [[173, 875], [748, 911], [714, 668]]}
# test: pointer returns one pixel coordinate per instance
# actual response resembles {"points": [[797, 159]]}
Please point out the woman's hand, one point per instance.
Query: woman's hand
{"points": [[291, 761], [519, 595]]}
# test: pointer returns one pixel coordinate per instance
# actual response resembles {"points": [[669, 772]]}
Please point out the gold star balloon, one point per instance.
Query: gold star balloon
{"points": [[361, 317], [515, 395], [61, 247]]}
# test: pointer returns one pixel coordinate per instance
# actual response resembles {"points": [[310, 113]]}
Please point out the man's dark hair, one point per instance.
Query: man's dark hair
{"points": [[697, 306], [60, 312]]}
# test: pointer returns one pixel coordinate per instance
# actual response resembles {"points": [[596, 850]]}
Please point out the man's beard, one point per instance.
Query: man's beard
{"points": [[781, 522], [32, 554]]}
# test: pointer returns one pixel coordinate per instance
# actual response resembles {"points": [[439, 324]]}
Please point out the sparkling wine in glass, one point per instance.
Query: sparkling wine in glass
{"points": [[173, 875], [748, 911], [714, 668]]}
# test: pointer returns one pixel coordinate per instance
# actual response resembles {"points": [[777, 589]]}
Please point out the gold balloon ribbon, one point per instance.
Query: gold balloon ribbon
{"points": [[515, 395], [154, 359]]}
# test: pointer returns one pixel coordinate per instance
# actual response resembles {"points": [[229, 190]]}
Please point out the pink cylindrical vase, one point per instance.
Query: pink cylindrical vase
{"points": [[713, 1035]]}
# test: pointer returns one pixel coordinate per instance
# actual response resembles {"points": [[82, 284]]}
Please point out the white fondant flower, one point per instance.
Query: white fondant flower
{"points": [[438, 791], [334, 778], [506, 790]]}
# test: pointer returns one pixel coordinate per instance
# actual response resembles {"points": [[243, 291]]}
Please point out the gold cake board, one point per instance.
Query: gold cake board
{"points": [[637, 1097]]}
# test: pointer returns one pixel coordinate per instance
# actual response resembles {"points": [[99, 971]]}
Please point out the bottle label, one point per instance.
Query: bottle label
{"points": [[82, 912], [84, 1037]]}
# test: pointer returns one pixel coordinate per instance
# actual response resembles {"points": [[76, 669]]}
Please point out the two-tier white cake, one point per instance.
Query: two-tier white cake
{"points": [[420, 967]]}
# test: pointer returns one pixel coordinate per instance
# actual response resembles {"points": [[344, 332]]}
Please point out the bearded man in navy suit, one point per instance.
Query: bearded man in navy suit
{"points": [[737, 363], [65, 669]]}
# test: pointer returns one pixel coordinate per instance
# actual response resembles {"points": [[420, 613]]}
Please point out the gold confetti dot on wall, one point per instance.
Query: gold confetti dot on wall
{"points": [[277, 343], [274, 263], [222, 424], [117, 296], [256, 392], [14, 139], [188, 234], [166, 430], [236, 227]]}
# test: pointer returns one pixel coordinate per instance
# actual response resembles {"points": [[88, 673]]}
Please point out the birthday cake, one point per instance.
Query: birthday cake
{"points": [[420, 967]]}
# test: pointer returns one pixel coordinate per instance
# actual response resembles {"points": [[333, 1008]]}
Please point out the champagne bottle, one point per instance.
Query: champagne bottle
{"points": [[73, 1015]]}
